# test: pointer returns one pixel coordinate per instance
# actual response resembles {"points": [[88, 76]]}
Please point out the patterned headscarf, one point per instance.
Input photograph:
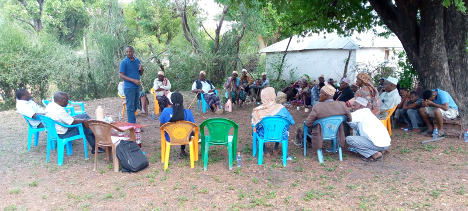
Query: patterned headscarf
{"points": [[366, 79]]}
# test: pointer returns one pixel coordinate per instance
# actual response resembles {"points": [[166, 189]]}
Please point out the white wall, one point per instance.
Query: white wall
{"points": [[330, 63], [376, 56]]}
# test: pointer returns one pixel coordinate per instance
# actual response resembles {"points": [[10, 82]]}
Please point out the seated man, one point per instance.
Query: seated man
{"points": [[256, 89], [405, 97], [315, 93], [325, 109], [437, 104], [354, 87], [332, 82], [303, 96], [246, 81], [27, 107], [373, 137], [234, 89], [142, 103], [265, 80], [390, 98], [344, 91], [204, 86], [380, 86], [410, 113], [162, 86], [55, 110]]}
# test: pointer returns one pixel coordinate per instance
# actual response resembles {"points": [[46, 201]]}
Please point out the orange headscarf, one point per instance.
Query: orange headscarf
{"points": [[269, 106], [366, 79]]}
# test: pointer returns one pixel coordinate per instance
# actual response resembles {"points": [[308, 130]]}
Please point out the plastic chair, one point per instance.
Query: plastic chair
{"points": [[33, 131], [203, 102], [329, 126], [102, 132], [273, 132], [218, 129], [124, 106], [387, 122], [70, 109], [156, 103], [61, 143], [179, 133], [81, 104]]}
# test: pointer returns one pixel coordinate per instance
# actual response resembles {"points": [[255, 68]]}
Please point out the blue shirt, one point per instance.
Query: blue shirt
{"points": [[444, 97], [166, 115], [284, 113], [315, 93], [130, 69]]}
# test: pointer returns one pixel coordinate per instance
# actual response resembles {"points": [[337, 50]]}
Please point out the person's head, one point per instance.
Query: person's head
{"points": [[23, 94], [381, 81], [331, 81], [178, 107], [390, 84], [403, 91], [304, 83], [414, 96], [429, 95], [129, 51], [344, 83], [419, 85], [244, 72], [234, 74], [258, 82], [327, 92], [359, 103], [268, 95], [362, 79], [354, 87], [61, 98], [161, 75], [321, 79], [264, 76], [202, 75], [321, 84]]}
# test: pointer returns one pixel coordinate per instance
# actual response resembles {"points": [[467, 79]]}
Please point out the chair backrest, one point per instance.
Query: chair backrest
{"points": [[123, 97], [27, 120], [45, 102], [102, 132], [273, 127], [152, 91], [330, 126], [179, 131], [50, 126], [219, 129], [390, 112]]}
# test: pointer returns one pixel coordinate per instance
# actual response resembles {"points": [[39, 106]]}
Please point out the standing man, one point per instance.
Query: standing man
{"points": [[130, 71]]}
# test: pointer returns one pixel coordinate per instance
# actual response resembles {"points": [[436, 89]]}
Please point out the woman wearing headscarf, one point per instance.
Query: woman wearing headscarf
{"points": [[269, 107], [369, 92], [162, 86], [176, 113]]}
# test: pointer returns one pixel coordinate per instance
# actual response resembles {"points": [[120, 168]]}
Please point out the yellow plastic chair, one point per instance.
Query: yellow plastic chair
{"points": [[156, 103], [386, 122], [124, 106], [179, 133]]}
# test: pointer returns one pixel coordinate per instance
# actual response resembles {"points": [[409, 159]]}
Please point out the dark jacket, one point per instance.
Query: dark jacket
{"points": [[344, 95]]}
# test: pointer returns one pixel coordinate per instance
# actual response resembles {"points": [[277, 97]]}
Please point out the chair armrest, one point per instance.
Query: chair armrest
{"points": [[68, 126], [75, 103]]}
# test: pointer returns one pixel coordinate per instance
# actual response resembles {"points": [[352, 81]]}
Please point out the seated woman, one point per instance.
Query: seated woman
{"points": [[174, 114], [142, 103], [269, 107], [162, 86]]}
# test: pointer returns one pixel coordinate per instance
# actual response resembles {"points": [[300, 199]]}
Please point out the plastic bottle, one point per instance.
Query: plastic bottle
{"points": [[99, 113], [239, 159], [435, 133], [106, 119], [466, 135]]}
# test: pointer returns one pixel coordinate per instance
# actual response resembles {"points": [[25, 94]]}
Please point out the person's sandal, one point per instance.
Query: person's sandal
{"points": [[372, 159], [427, 133]]}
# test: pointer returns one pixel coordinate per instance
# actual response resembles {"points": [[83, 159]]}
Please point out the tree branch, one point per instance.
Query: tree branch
{"points": [[201, 24], [17, 18], [218, 28]]}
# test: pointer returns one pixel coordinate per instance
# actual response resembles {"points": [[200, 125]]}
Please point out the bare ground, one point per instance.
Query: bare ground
{"points": [[412, 177]]}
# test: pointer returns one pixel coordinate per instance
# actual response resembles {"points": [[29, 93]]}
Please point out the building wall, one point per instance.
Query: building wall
{"points": [[330, 63], [376, 56]]}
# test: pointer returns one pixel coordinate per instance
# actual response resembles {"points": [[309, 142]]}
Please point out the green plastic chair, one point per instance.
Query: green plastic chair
{"points": [[219, 135]]}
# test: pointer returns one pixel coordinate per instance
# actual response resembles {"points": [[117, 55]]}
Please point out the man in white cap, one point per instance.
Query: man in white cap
{"points": [[344, 93], [162, 86], [265, 81], [234, 89], [390, 98], [204, 86], [373, 139]]}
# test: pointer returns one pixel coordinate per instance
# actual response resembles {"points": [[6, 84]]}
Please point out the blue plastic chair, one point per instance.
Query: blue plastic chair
{"points": [[61, 143], [273, 132], [329, 126], [33, 131], [70, 109], [81, 104], [203, 102]]}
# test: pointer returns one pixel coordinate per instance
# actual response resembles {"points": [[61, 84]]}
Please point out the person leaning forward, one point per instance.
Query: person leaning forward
{"points": [[204, 86]]}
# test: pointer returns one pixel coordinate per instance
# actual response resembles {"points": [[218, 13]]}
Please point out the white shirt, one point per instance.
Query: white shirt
{"points": [[159, 84], [369, 126], [205, 87], [389, 100], [29, 108], [59, 114]]}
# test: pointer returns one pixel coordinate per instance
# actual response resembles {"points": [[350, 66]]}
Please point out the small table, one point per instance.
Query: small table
{"points": [[125, 125]]}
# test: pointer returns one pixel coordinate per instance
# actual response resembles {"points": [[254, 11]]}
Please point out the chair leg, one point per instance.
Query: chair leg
{"points": [[254, 145], [230, 152], [192, 156], [203, 105], [340, 153], [85, 147], [30, 136], [305, 142], [49, 144], [163, 150], [198, 105], [95, 158], [60, 151], [115, 159], [320, 155], [166, 156], [36, 138], [123, 111], [285, 152], [69, 148], [260, 152], [205, 155]]}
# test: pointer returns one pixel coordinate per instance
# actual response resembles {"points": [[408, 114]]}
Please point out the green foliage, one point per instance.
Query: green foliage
{"points": [[408, 76]]}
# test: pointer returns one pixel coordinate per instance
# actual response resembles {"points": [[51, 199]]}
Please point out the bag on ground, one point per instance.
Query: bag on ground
{"points": [[131, 157]]}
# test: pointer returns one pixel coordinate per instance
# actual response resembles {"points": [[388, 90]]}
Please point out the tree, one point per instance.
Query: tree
{"points": [[433, 33]]}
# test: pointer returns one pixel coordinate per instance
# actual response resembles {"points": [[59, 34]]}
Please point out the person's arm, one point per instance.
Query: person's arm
{"points": [[407, 106], [194, 88], [250, 80], [444, 106], [311, 118], [140, 69], [403, 103], [124, 77]]}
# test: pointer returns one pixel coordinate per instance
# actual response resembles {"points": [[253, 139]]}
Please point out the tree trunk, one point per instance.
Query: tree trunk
{"points": [[345, 72], [282, 60]]}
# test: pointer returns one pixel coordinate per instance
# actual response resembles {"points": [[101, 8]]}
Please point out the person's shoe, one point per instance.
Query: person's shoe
{"points": [[100, 150], [275, 152], [182, 154], [407, 129], [219, 111]]}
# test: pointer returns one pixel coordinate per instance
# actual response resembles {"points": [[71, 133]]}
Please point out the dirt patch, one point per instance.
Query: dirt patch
{"points": [[413, 176]]}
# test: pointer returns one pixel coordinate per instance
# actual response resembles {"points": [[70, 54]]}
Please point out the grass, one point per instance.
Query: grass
{"points": [[14, 191], [33, 184]]}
